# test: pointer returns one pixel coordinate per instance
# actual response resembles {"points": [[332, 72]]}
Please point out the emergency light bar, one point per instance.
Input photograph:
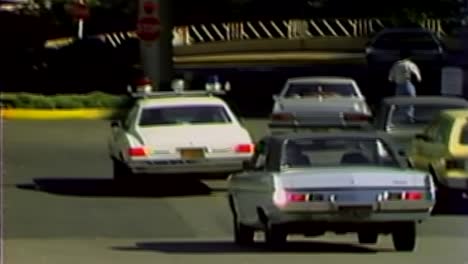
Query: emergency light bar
{"points": [[178, 87]]}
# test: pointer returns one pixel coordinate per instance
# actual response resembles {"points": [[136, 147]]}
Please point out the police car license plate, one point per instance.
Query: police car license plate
{"points": [[191, 154]]}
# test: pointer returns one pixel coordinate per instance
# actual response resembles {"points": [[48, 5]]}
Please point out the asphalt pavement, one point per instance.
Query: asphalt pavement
{"points": [[61, 206]]}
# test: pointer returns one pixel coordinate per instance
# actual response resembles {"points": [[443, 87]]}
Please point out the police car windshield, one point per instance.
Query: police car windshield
{"points": [[335, 152], [415, 115], [411, 40], [320, 89], [174, 115]]}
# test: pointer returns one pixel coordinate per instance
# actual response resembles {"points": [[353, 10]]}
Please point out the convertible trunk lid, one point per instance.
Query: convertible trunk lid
{"points": [[350, 177]]}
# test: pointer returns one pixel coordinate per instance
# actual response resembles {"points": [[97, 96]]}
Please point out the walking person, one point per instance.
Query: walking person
{"points": [[401, 74]]}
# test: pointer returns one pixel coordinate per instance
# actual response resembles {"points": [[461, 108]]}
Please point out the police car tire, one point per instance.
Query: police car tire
{"points": [[404, 237]]}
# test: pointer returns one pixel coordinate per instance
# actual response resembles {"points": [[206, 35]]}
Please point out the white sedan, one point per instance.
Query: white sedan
{"points": [[319, 101], [177, 133]]}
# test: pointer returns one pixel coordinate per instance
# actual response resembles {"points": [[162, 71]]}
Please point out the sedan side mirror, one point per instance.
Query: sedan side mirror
{"points": [[115, 123]]}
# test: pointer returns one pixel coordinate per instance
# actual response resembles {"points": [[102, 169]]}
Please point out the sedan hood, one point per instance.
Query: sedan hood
{"points": [[168, 137], [350, 177]]}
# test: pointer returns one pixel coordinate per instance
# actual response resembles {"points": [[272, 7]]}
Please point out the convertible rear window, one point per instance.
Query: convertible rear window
{"points": [[172, 115], [335, 152], [317, 89]]}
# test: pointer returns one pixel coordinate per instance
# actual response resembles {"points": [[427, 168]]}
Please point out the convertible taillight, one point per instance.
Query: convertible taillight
{"points": [[402, 196], [296, 197], [413, 196], [282, 198], [244, 148], [137, 152]]}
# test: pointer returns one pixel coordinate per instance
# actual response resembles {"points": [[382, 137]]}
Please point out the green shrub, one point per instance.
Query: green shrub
{"points": [[66, 101]]}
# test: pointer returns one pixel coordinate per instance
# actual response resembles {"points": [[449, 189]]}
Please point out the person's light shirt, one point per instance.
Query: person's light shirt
{"points": [[402, 71]]}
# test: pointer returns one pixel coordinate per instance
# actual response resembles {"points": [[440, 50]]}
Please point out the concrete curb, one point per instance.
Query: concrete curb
{"points": [[59, 114]]}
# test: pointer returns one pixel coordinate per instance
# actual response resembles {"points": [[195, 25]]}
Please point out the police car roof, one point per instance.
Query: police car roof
{"points": [[180, 100], [332, 79]]}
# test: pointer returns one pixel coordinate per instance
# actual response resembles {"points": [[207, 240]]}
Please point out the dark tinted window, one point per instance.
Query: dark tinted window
{"points": [[334, 152], [199, 114], [411, 40], [420, 115], [318, 89], [464, 135]]}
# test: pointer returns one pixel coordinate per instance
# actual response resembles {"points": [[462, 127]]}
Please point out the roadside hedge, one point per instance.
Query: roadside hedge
{"points": [[65, 101]]}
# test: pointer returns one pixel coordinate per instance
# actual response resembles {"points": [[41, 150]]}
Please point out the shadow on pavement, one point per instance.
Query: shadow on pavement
{"points": [[451, 203], [219, 247], [110, 188]]}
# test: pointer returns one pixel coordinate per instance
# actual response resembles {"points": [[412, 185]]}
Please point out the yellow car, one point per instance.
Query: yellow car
{"points": [[442, 149]]}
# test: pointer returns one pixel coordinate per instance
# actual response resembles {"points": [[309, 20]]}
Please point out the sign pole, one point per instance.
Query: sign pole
{"points": [[80, 28], [156, 42], [80, 22], [166, 48]]}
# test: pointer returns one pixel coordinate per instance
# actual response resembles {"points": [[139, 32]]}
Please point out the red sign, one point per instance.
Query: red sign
{"points": [[78, 10], [149, 28]]}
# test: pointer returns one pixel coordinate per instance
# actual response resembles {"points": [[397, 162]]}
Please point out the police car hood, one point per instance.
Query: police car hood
{"points": [[189, 135], [350, 177]]}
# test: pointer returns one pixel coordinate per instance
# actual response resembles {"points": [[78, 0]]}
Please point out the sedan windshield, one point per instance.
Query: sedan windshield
{"points": [[406, 116], [320, 89], [334, 152], [172, 115]]}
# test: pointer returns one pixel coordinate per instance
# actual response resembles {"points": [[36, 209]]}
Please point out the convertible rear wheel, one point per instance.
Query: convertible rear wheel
{"points": [[275, 236], [243, 235], [368, 237], [120, 171], [404, 237]]}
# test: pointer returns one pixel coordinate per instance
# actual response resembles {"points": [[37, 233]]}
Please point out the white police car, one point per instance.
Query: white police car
{"points": [[180, 132]]}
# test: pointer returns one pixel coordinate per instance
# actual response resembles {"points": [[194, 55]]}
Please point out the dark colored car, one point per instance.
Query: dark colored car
{"points": [[384, 48], [392, 116]]}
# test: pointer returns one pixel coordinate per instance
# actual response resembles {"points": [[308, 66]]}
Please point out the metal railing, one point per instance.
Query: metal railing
{"points": [[289, 29], [273, 29]]}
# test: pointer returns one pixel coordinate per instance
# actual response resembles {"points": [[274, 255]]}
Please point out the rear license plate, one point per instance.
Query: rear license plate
{"points": [[191, 154], [355, 211]]}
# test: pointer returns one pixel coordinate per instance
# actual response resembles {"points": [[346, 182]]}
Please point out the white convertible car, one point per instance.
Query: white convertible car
{"points": [[311, 183], [178, 133]]}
